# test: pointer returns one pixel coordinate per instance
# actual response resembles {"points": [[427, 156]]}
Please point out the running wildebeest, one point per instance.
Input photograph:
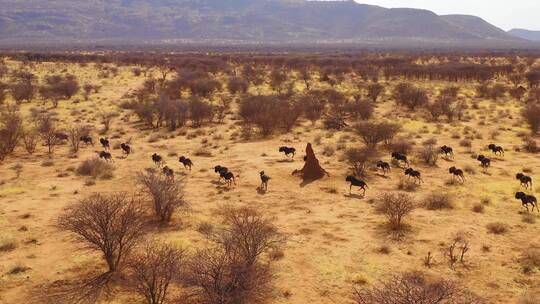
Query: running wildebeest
{"points": [[105, 155], [229, 178], [384, 166], [221, 171], [526, 200], [158, 160], [186, 162], [400, 157], [410, 172], [288, 151], [168, 172], [357, 183], [126, 148], [496, 149], [484, 161], [105, 143], [447, 151], [61, 136], [86, 139], [457, 173], [524, 180], [264, 180]]}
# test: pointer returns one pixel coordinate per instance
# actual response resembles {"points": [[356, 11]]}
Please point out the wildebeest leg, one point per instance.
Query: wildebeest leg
{"points": [[350, 188]]}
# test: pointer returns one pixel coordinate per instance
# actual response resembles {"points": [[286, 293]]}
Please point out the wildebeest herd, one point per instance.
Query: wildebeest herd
{"points": [[401, 159]]}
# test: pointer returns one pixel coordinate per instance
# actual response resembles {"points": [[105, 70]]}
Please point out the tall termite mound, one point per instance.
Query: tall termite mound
{"points": [[312, 169]]}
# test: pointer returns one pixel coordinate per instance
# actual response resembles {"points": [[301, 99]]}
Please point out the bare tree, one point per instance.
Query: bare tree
{"points": [[374, 91], [396, 207], [30, 140], [153, 270], [373, 133], [75, 134], [10, 130], [531, 114], [415, 288], [232, 271], [166, 194], [360, 159], [112, 224], [106, 119], [46, 127]]}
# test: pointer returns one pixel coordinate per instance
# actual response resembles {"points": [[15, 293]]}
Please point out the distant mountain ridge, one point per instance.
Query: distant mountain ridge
{"points": [[235, 20], [525, 34]]}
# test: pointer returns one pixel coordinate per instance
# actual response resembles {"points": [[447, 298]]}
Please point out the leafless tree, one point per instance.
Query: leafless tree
{"points": [[46, 126], [360, 159], [373, 133], [166, 194], [154, 269], [30, 140], [112, 224], [233, 271], [396, 207], [10, 130], [414, 288], [531, 114]]}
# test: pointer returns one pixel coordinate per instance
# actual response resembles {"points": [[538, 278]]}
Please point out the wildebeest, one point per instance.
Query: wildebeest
{"points": [[229, 178], [526, 200], [264, 180], [524, 180], [447, 151], [168, 172], [384, 166], [186, 162], [410, 172], [157, 159], [496, 149], [86, 139], [61, 136], [288, 151], [105, 143], [484, 161], [357, 183], [457, 173], [400, 157], [126, 148], [221, 171], [105, 155]]}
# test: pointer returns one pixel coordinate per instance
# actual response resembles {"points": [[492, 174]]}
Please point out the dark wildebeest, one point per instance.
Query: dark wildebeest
{"points": [[229, 178], [105, 155], [457, 173], [484, 161], [526, 200], [221, 171], [186, 162], [384, 166], [400, 157], [86, 139], [168, 172], [447, 151], [288, 151], [126, 148], [357, 183], [496, 149], [524, 180], [157, 159], [264, 180], [414, 174], [61, 136], [105, 143]]}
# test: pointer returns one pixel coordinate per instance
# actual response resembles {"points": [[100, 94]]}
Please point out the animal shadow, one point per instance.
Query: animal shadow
{"points": [[261, 191], [290, 160], [356, 196]]}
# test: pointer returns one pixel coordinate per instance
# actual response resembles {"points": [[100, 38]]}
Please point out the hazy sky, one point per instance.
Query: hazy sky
{"points": [[506, 14]]}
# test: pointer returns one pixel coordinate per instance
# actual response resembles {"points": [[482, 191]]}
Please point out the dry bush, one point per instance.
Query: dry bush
{"points": [[237, 85], [429, 154], [112, 224], [11, 131], [531, 114], [457, 250], [95, 168], [374, 133], [106, 119], [59, 87], [396, 207], [236, 269], [410, 96], [153, 270], [374, 90], [269, 113], [530, 259], [74, 135], [46, 126], [360, 159], [166, 194], [415, 287], [401, 145], [313, 107], [406, 184], [497, 228], [438, 201], [200, 112], [22, 91], [30, 140]]}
